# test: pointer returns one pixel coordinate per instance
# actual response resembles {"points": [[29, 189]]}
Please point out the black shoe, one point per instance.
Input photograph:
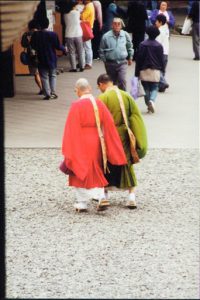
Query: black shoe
{"points": [[196, 58], [47, 98], [41, 93], [81, 69], [163, 87], [54, 96], [73, 70]]}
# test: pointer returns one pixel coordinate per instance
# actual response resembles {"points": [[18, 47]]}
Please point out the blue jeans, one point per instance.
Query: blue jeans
{"points": [[151, 90], [48, 78]]}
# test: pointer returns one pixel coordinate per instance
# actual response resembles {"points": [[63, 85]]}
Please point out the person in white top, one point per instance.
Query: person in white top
{"points": [[163, 39], [79, 5], [73, 37]]}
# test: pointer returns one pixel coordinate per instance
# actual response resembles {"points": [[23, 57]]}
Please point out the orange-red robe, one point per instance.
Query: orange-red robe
{"points": [[81, 144]]}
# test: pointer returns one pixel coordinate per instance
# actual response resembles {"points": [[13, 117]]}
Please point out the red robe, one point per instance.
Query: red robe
{"points": [[81, 144]]}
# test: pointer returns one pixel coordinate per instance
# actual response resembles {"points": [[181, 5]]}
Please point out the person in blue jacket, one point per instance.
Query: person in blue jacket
{"points": [[163, 10]]}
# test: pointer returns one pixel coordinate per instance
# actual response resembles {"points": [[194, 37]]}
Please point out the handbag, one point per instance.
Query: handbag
{"points": [[187, 26], [132, 138], [150, 75], [87, 31], [137, 89], [24, 58], [64, 169]]}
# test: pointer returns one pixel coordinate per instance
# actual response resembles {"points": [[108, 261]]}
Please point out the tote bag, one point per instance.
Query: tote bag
{"points": [[87, 31], [187, 26]]}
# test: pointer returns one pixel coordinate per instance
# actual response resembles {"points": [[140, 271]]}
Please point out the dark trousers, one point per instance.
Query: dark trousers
{"points": [[117, 72], [195, 40], [137, 38], [96, 40]]}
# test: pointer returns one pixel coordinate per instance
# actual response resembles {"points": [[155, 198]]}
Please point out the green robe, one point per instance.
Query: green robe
{"points": [[126, 175]]}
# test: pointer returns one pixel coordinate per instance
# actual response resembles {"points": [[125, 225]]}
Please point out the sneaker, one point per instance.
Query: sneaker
{"points": [[131, 203], [151, 106], [47, 97], [41, 92], [88, 67], [81, 207], [54, 96]]}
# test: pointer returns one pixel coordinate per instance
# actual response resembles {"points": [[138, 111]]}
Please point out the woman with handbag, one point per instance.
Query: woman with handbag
{"points": [[149, 64]]}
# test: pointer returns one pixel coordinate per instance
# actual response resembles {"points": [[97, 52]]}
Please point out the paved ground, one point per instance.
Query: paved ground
{"points": [[152, 252], [31, 122]]}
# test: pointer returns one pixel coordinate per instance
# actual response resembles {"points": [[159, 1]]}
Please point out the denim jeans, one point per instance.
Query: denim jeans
{"points": [[48, 78], [151, 90], [88, 52], [162, 74]]}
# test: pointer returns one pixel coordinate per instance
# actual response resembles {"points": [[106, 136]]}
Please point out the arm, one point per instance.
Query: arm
{"points": [[153, 16], [171, 22], [129, 47], [101, 49]]}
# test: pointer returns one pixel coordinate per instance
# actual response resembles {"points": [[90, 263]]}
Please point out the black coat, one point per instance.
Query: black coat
{"points": [[137, 17]]}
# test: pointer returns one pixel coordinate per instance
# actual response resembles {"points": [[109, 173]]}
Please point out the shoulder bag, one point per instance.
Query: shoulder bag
{"points": [[132, 138]]}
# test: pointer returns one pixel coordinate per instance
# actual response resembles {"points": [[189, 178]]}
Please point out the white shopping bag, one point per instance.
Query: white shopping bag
{"points": [[187, 26]]}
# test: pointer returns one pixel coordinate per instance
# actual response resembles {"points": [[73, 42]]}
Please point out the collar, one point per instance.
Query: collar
{"points": [[86, 96]]}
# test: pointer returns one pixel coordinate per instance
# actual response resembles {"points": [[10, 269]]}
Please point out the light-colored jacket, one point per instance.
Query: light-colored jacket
{"points": [[116, 48]]}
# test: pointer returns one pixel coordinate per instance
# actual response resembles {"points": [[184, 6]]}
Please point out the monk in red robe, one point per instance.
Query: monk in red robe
{"points": [[82, 149]]}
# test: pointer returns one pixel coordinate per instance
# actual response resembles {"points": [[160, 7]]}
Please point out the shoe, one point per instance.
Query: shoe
{"points": [[47, 98], [87, 67], [96, 58], [54, 96], [41, 92], [81, 207], [103, 205], [151, 106], [131, 203], [73, 70], [196, 58], [163, 87], [81, 69]]}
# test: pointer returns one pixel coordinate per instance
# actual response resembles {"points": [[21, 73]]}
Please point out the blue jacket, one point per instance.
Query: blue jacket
{"points": [[116, 48], [45, 43], [154, 14]]}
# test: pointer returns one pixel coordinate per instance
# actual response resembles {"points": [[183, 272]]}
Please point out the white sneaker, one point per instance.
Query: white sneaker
{"points": [[151, 106], [131, 203], [80, 207]]}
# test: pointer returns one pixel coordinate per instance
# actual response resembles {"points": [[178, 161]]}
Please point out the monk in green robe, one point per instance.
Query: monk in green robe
{"points": [[123, 177]]}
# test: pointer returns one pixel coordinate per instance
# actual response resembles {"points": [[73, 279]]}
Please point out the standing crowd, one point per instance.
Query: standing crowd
{"points": [[104, 137]]}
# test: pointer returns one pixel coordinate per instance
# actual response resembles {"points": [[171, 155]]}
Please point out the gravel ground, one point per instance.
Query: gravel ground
{"points": [[54, 252]]}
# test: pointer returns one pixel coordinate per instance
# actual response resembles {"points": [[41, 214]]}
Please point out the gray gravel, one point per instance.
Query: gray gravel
{"points": [[151, 252]]}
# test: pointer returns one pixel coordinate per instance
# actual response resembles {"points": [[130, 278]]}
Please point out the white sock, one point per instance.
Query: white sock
{"points": [[131, 196]]}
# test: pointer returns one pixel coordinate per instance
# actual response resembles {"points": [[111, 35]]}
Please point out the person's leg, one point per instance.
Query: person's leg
{"points": [[38, 80], [111, 70], [153, 94], [72, 52], [195, 40], [96, 40], [147, 92], [131, 202], [163, 83], [80, 52], [121, 76], [44, 75], [52, 81], [88, 53]]}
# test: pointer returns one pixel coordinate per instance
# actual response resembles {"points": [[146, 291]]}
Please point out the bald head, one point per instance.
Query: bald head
{"points": [[82, 87]]}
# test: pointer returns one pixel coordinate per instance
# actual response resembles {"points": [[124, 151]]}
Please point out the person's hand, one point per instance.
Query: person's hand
{"points": [[129, 62]]}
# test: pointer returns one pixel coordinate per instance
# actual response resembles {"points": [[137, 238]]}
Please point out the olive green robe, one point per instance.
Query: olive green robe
{"points": [[126, 173]]}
